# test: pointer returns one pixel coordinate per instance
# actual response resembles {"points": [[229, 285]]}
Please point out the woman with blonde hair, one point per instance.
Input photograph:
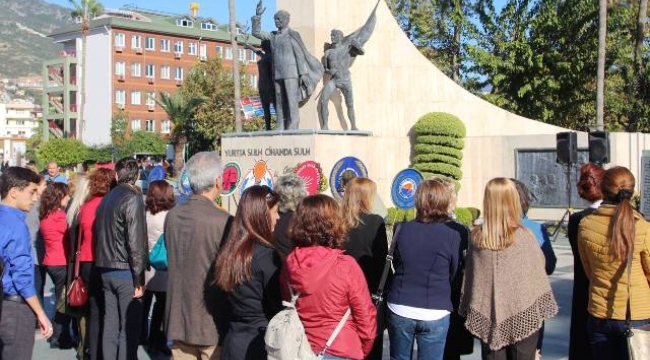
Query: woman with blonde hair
{"points": [[612, 238], [367, 243], [427, 257], [506, 293]]}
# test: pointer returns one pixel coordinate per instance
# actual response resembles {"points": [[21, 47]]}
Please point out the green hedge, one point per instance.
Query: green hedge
{"points": [[441, 140], [440, 168], [439, 123], [463, 216], [476, 213], [432, 158], [438, 149]]}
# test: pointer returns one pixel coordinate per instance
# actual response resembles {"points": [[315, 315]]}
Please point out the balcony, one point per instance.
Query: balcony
{"points": [[120, 77], [151, 106], [203, 57], [119, 48], [150, 79], [177, 55], [138, 50]]}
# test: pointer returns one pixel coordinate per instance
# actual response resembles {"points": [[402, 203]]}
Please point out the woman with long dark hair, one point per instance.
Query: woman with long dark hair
{"points": [[608, 239], [247, 268], [328, 281], [100, 182], [506, 293], [367, 243], [54, 229], [589, 189], [160, 199]]}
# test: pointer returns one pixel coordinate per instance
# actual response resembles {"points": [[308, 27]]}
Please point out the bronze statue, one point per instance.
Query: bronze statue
{"points": [[338, 58], [265, 85], [295, 71]]}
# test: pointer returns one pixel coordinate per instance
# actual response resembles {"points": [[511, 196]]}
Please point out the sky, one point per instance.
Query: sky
{"points": [[217, 9]]}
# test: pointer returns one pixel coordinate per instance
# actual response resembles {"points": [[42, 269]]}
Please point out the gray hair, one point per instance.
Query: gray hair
{"points": [[291, 189], [203, 168]]}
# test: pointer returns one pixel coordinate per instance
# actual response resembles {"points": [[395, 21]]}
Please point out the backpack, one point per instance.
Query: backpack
{"points": [[285, 336]]}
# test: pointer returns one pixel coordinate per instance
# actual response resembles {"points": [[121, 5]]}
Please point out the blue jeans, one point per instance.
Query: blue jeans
{"points": [[430, 335], [607, 337]]}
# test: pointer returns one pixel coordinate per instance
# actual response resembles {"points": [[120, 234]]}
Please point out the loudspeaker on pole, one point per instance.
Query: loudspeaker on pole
{"points": [[599, 147], [567, 147]]}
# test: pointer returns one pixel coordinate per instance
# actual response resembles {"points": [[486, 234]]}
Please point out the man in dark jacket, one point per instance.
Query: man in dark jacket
{"points": [[193, 233], [121, 255]]}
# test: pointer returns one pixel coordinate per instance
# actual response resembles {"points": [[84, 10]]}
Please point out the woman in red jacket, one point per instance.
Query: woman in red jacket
{"points": [[329, 282], [100, 182], [54, 230]]}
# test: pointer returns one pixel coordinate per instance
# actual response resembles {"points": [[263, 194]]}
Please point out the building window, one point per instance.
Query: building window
{"points": [[178, 46], [135, 125], [253, 56], [166, 127], [191, 48], [120, 68], [229, 53], [151, 98], [208, 26], [151, 44], [136, 69], [120, 97], [120, 39], [135, 98], [253, 81], [164, 45], [179, 73], [150, 70], [220, 52], [165, 72], [149, 125], [203, 51], [184, 23], [242, 55], [136, 42], [20, 122]]}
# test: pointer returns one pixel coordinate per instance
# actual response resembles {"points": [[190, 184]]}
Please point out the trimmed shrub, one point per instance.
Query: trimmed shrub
{"points": [[464, 216], [441, 140], [439, 145], [439, 123], [476, 213], [426, 158], [441, 169], [438, 149]]}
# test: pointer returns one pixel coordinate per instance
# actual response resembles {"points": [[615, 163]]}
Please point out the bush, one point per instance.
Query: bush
{"points": [[464, 216], [438, 149], [439, 123], [433, 158], [476, 213], [67, 152], [441, 140], [440, 169]]}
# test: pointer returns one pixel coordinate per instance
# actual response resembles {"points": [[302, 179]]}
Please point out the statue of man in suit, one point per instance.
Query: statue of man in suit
{"points": [[295, 71]]}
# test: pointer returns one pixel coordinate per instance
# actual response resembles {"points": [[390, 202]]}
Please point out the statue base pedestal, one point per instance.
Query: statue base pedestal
{"points": [[283, 150]]}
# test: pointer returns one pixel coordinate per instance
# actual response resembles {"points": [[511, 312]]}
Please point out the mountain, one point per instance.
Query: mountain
{"points": [[24, 26]]}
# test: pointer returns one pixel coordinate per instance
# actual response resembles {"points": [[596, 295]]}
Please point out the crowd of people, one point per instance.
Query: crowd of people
{"points": [[227, 276]]}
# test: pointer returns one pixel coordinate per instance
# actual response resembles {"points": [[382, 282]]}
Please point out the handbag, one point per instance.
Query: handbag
{"points": [[158, 255], [378, 296], [78, 292], [638, 339]]}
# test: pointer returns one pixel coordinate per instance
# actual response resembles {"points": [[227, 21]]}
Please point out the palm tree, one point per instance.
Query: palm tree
{"points": [[600, 77], [235, 64], [181, 114], [86, 10]]}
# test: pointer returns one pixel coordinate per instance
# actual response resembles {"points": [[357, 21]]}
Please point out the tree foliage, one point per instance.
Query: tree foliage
{"points": [[538, 58], [212, 82], [66, 152]]}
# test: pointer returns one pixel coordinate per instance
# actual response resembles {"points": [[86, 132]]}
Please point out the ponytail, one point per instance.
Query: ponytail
{"points": [[622, 228]]}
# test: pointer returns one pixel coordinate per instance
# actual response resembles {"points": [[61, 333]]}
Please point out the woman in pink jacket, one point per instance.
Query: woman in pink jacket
{"points": [[329, 282]]}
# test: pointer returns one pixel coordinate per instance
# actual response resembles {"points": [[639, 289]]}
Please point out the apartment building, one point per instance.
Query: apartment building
{"points": [[132, 56], [18, 121]]}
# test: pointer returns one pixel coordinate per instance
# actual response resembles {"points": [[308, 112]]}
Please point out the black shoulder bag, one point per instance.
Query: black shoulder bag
{"points": [[378, 296]]}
